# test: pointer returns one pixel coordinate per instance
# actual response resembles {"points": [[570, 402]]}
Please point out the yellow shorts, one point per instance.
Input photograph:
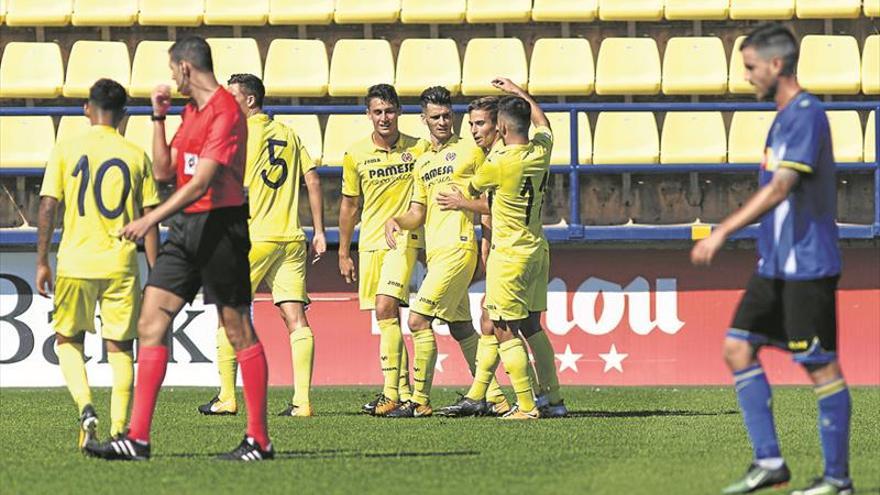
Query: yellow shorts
{"points": [[444, 292], [282, 264], [386, 272], [516, 285], [120, 301]]}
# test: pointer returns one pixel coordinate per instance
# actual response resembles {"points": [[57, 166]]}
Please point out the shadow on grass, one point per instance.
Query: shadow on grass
{"points": [[647, 413], [337, 454]]}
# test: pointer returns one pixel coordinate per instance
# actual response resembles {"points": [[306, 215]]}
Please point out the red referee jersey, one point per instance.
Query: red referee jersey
{"points": [[218, 132]]}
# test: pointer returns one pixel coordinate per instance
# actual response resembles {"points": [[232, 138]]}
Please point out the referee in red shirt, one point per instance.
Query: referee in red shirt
{"points": [[207, 247]]}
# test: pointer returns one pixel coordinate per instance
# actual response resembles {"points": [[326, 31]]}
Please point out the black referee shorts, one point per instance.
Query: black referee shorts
{"points": [[208, 250]]}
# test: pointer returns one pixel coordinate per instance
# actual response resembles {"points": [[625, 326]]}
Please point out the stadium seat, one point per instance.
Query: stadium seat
{"points": [[171, 12], [761, 9], [38, 12], [561, 66], [488, 58], [694, 65], [565, 10], [31, 70], [748, 135], [411, 123], [872, 8], [2, 11], [826, 9], [149, 68], [630, 10], [432, 11], [105, 12], [26, 141], [628, 66], [341, 132], [361, 12], [422, 63], [308, 57], [870, 139], [236, 12], [71, 126], [871, 65], [693, 137], [235, 56], [308, 129], [560, 123], [499, 11], [358, 64], [284, 12], [736, 76], [829, 65], [846, 135], [687, 10], [93, 60], [139, 130], [626, 138]]}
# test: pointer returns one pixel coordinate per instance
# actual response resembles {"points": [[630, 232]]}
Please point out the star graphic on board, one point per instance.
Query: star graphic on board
{"points": [[613, 359], [440, 359], [568, 359]]}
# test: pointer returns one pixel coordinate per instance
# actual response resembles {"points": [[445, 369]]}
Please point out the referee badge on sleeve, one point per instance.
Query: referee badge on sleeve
{"points": [[189, 163]]}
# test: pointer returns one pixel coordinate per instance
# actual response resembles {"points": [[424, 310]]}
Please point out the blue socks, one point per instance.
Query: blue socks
{"points": [[834, 414], [753, 393]]}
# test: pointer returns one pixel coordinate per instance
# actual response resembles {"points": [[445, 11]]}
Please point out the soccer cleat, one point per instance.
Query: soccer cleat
{"points": [[516, 413], [757, 478], [88, 426], [497, 408], [827, 486], [410, 409], [557, 410], [298, 411], [369, 407], [216, 407], [120, 448], [464, 407], [542, 401], [248, 450], [385, 406]]}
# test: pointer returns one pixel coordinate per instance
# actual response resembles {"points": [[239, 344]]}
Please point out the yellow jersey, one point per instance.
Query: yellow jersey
{"points": [[276, 161], [385, 178], [104, 181], [454, 163], [516, 176]]}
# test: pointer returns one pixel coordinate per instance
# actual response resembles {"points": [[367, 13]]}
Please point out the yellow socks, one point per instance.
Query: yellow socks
{"points": [[545, 366], [425, 348], [302, 349], [403, 388], [516, 361], [226, 366], [469, 351], [73, 367], [390, 350], [487, 362], [122, 365]]}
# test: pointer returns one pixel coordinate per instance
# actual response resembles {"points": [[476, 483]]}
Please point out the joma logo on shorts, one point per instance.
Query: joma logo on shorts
{"points": [[395, 284], [427, 301]]}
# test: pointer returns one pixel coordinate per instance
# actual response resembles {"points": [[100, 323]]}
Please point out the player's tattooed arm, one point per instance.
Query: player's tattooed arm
{"points": [[316, 203], [46, 225], [539, 119], [412, 219], [151, 242], [348, 208]]}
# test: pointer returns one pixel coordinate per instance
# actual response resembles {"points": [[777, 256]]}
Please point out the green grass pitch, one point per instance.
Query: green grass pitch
{"points": [[618, 441]]}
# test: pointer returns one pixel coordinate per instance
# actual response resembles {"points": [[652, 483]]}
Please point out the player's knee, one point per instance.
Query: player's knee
{"points": [[294, 316], [461, 331], [417, 322], [738, 354], [387, 310], [119, 345], [75, 339]]}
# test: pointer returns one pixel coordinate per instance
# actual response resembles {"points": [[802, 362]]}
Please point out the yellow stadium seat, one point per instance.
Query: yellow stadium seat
{"points": [[693, 137], [871, 65], [411, 123], [236, 12], [308, 129], [870, 139], [736, 76], [71, 127], [422, 63], [630, 10], [93, 60], [748, 134], [872, 8], [361, 12], [309, 57], [825, 9], [694, 65], [26, 141], [31, 70], [235, 56], [565, 10], [560, 124], [561, 66], [283, 12], [149, 68], [829, 65], [846, 135], [432, 11], [105, 12], [488, 58], [358, 64], [626, 137], [341, 132], [677, 10], [171, 12], [628, 66], [499, 11], [761, 9], [38, 12], [139, 130]]}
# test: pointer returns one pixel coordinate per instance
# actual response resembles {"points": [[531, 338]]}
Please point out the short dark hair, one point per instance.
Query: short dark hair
{"points": [[384, 92], [251, 84], [108, 95], [437, 95], [773, 39], [485, 103], [195, 50], [517, 111]]}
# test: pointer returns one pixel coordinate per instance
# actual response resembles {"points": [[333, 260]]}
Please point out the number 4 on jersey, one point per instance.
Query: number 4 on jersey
{"points": [[528, 192]]}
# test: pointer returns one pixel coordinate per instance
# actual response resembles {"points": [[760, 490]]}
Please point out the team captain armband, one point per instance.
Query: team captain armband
{"points": [[800, 167]]}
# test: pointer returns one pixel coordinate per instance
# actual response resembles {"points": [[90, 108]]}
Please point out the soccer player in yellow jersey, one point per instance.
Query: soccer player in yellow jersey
{"points": [[379, 167], [104, 182], [276, 161]]}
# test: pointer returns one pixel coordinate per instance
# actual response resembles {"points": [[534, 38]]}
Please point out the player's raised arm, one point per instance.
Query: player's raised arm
{"points": [[163, 154], [539, 119]]}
